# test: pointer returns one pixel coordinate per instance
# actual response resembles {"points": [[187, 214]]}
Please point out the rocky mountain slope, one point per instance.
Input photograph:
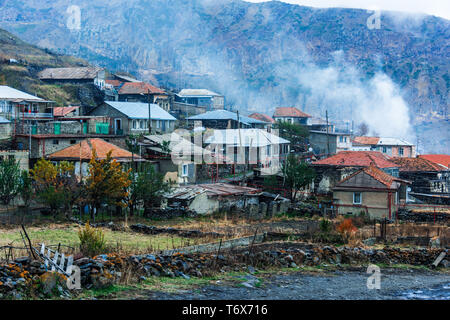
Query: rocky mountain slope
{"points": [[259, 55], [28, 60]]}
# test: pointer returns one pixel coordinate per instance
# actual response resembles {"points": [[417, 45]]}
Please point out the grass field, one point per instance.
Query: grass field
{"points": [[67, 235]]}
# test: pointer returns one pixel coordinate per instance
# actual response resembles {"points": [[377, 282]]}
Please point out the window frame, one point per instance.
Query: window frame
{"points": [[360, 198]]}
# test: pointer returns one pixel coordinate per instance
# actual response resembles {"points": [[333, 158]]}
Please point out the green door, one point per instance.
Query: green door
{"points": [[57, 128], [85, 127]]}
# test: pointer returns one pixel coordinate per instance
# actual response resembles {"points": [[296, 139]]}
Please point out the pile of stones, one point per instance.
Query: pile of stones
{"points": [[24, 275], [410, 216], [141, 228]]}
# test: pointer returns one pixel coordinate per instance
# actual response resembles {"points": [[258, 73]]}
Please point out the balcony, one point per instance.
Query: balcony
{"points": [[35, 115]]}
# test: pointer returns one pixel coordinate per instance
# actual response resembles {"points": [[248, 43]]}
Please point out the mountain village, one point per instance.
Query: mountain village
{"points": [[152, 163]]}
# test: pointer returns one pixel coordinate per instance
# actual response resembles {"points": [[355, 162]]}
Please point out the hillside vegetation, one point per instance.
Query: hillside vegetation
{"points": [[31, 59]]}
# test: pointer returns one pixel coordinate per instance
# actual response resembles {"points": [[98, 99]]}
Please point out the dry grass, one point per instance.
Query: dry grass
{"points": [[117, 241]]}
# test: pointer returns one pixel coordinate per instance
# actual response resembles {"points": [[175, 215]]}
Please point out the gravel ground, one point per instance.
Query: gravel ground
{"points": [[338, 285]]}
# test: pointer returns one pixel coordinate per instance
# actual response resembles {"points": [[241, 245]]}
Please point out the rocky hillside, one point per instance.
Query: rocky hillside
{"points": [[28, 60], [259, 55]]}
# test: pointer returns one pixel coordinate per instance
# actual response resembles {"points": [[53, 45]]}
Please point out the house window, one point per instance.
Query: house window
{"points": [[157, 124], [55, 141], [134, 124], [400, 151], [357, 198], [185, 170], [384, 149], [268, 150], [341, 139], [73, 141], [142, 124]]}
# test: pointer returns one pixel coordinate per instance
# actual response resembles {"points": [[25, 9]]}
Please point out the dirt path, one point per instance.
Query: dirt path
{"points": [[338, 285]]}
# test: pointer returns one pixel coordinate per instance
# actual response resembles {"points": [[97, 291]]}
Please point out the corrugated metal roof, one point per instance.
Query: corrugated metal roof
{"points": [[197, 93], [69, 73], [178, 144], [212, 190], [8, 93], [244, 138], [225, 115], [393, 142], [138, 110]]}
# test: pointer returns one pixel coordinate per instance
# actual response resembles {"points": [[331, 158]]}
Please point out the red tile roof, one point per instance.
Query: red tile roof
{"points": [[114, 83], [366, 140], [290, 112], [416, 164], [62, 111], [138, 88], [376, 174], [261, 117], [443, 159], [101, 147], [358, 159]]}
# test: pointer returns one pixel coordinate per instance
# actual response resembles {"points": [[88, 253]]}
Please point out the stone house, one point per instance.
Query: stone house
{"points": [[291, 115], [202, 98], [324, 143], [142, 92], [224, 119], [81, 153], [393, 147], [430, 180], [19, 155], [16, 105], [221, 197], [75, 75], [333, 169], [370, 190], [131, 118]]}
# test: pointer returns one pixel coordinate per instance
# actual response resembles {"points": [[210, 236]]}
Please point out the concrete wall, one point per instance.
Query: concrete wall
{"points": [[377, 203], [5, 130], [19, 155]]}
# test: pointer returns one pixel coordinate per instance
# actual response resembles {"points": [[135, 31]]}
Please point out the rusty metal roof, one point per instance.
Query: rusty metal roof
{"points": [[212, 190]]}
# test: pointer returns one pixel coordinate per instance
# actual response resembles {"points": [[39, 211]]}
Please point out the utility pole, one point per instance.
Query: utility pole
{"points": [[328, 137], [149, 113]]}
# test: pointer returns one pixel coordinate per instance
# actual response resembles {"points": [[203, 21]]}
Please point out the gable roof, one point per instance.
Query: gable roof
{"points": [[290, 112], [442, 159], [114, 83], [11, 94], [212, 190], [261, 117], [225, 115], [393, 142], [197, 93], [373, 172], [84, 149], [138, 110], [358, 159], [366, 140], [248, 137], [62, 111], [417, 164], [69, 73], [139, 88]]}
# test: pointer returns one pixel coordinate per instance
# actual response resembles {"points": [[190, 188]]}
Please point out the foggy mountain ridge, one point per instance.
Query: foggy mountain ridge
{"points": [[261, 56]]}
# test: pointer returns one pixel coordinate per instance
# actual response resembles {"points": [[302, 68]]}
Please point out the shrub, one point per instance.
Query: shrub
{"points": [[325, 225], [346, 229], [92, 240]]}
